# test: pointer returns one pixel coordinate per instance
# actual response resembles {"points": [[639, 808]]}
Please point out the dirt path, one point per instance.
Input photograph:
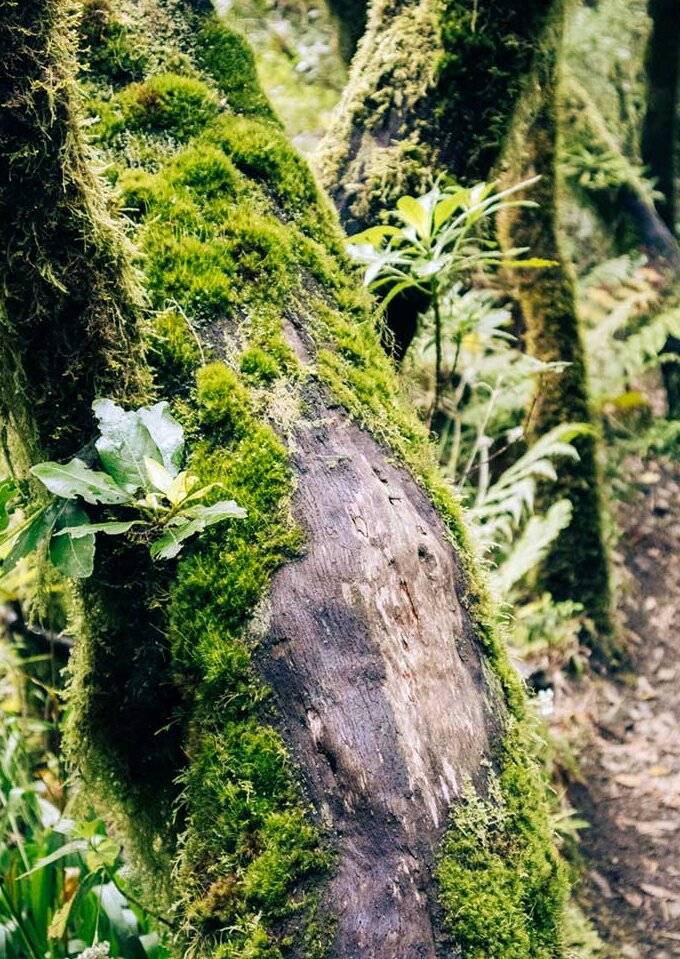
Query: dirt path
{"points": [[629, 738]]}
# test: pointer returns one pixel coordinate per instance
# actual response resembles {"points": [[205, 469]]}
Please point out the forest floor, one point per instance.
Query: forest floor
{"points": [[625, 732]]}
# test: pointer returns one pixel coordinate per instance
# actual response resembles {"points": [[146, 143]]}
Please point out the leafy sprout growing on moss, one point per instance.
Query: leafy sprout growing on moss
{"points": [[141, 454], [437, 243]]}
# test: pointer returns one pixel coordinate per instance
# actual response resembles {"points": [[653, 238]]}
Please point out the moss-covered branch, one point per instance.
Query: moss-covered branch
{"points": [[624, 204]]}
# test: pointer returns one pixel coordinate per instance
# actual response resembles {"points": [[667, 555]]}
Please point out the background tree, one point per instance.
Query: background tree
{"points": [[431, 88], [387, 136], [307, 727], [577, 566], [659, 146]]}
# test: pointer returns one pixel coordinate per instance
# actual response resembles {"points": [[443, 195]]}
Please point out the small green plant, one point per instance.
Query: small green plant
{"points": [[63, 891], [141, 480], [438, 242]]}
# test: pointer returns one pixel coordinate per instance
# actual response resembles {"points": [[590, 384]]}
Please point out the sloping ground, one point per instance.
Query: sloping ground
{"points": [[628, 735]]}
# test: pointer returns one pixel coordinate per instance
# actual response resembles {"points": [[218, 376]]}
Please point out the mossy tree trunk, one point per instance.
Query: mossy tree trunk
{"points": [[432, 89], [659, 142], [577, 567], [291, 721], [625, 207]]}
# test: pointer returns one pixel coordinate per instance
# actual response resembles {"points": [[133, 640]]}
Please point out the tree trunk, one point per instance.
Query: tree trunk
{"points": [[626, 209], [659, 144], [432, 88], [288, 721], [577, 567]]}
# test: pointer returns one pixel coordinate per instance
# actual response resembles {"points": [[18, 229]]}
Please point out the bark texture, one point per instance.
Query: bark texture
{"points": [[284, 719], [577, 566]]}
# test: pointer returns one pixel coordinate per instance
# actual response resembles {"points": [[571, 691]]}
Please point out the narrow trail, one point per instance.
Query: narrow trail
{"points": [[628, 737]]}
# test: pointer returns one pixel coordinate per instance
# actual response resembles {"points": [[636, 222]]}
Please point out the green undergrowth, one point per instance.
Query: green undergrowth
{"points": [[235, 241]]}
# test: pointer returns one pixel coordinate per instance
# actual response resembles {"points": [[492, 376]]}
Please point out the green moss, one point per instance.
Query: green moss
{"points": [[113, 53], [501, 884], [175, 352], [259, 365], [225, 403], [168, 102], [229, 60]]}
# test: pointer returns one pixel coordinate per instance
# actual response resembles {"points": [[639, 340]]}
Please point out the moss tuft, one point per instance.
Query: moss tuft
{"points": [[501, 885], [259, 365], [168, 102], [230, 61]]}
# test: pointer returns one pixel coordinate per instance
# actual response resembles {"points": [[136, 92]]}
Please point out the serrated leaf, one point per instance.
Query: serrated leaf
{"points": [[72, 556], [75, 479]]}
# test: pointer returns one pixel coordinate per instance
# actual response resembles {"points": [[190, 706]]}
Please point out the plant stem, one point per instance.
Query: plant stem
{"points": [[438, 353]]}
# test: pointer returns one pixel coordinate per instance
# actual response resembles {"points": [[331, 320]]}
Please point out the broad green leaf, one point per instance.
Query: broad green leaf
{"points": [[446, 207], [72, 556], [182, 485], [87, 529], [76, 479], [102, 852], [166, 433], [374, 235], [8, 491], [188, 524], [415, 214], [124, 444], [160, 478]]}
